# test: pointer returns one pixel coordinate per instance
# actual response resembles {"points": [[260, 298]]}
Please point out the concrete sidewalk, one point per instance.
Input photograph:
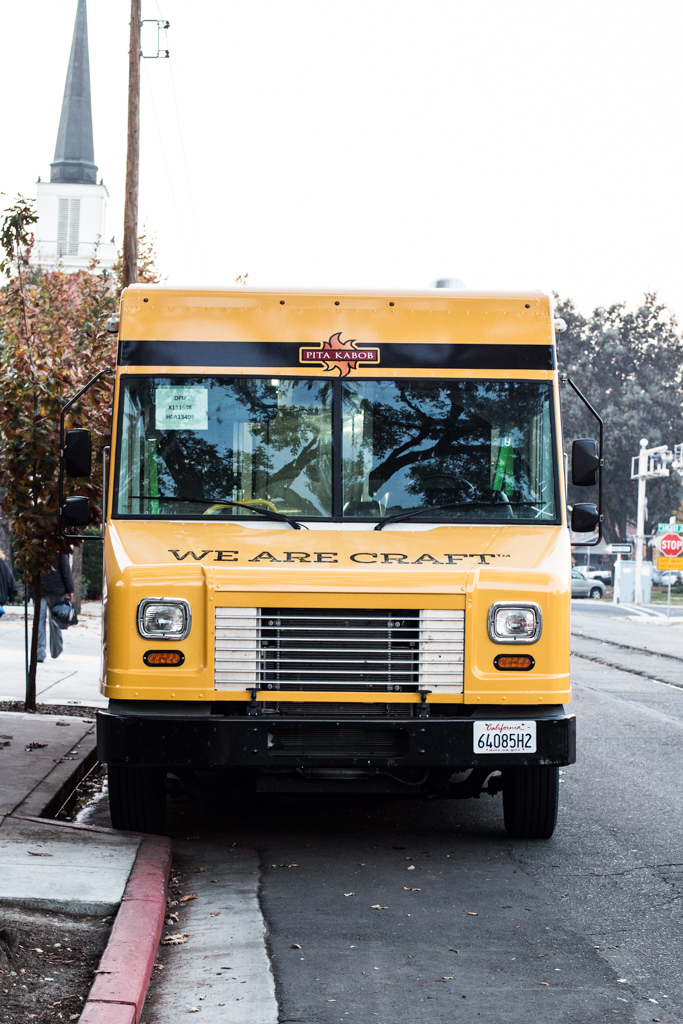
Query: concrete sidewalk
{"points": [[45, 865], [59, 873], [73, 678]]}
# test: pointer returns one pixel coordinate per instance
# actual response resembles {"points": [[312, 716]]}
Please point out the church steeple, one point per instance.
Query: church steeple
{"points": [[74, 153]]}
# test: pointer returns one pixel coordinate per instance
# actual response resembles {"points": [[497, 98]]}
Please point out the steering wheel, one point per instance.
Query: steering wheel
{"points": [[213, 510]]}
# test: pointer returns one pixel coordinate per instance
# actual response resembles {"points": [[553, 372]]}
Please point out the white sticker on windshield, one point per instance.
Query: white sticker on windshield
{"points": [[182, 408]]}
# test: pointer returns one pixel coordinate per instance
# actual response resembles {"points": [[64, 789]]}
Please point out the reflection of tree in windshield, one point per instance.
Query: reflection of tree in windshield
{"points": [[265, 440], [191, 466], [429, 443]]}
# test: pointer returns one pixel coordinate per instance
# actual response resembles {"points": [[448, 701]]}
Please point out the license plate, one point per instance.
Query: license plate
{"points": [[505, 737]]}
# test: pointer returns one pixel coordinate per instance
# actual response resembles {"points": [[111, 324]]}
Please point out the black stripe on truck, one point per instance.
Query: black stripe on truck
{"points": [[393, 356]]}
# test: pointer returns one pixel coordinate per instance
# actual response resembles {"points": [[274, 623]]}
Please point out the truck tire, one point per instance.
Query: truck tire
{"points": [[137, 798], [530, 797]]}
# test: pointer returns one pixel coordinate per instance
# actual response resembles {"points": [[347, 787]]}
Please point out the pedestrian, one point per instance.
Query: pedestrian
{"points": [[56, 586], [8, 586]]}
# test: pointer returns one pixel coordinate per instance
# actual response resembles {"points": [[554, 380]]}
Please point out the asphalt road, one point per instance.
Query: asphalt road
{"points": [[399, 912]]}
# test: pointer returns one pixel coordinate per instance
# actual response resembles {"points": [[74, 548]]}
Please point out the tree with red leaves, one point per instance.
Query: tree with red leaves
{"points": [[53, 339]]}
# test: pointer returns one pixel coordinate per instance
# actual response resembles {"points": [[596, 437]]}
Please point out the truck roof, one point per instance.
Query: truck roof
{"points": [[435, 316]]}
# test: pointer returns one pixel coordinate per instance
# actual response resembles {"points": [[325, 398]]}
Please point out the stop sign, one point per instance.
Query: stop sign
{"points": [[671, 544]]}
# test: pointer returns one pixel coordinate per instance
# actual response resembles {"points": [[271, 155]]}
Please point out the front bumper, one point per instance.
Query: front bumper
{"points": [[209, 741]]}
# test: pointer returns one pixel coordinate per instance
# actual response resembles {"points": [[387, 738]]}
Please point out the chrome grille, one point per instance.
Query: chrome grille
{"points": [[300, 648]]}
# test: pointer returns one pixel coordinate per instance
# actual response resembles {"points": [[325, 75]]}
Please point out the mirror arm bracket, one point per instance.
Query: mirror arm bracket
{"points": [[62, 418], [566, 379]]}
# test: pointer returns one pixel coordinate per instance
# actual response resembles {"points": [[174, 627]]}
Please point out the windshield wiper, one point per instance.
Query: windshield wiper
{"points": [[269, 513], [437, 508]]}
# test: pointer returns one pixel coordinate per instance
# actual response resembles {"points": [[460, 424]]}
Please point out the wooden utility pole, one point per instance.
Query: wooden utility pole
{"points": [[130, 215]]}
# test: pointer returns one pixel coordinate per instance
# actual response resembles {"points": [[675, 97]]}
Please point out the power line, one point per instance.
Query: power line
{"points": [[187, 176]]}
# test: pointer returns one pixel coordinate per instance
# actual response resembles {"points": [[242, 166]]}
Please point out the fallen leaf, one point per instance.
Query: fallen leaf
{"points": [[193, 1009], [216, 913], [540, 955], [190, 896], [292, 865], [376, 906], [411, 867], [473, 913], [199, 870], [175, 939], [545, 983], [332, 1000], [349, 894], [34, 746], [406, 888], [295, 945], [35, 853], [451, 950]]}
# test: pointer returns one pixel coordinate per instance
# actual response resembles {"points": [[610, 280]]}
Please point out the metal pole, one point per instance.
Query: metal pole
{"points": [[617, 581], [130, 216], [640, 525], [26, 633], [668, 597]]}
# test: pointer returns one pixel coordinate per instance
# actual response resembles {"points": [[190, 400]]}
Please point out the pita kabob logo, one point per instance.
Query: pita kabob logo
{"points": [[336, 354]]}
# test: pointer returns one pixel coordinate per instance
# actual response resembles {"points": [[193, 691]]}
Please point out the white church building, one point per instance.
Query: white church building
{"points": [[72, 206]]}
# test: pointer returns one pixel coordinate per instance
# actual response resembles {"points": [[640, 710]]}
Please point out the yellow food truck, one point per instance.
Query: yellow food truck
{"points": [[336, 548]]}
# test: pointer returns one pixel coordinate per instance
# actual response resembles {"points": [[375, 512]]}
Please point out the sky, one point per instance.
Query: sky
{"points": [[512, 144]]}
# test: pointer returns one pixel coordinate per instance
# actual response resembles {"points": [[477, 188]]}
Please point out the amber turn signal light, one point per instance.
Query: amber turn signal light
{"points": [[514, 662], [166, 659]]}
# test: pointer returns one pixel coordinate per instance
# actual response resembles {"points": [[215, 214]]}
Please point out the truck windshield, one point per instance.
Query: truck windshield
{"points": [[483, 447]]}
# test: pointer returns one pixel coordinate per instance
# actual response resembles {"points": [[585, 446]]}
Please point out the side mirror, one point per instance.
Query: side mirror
{"points": [[77, 456], [585, 517], [76, 511], [585, 462]]}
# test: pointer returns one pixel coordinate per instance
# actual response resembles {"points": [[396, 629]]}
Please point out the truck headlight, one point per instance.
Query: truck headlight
{"points": [[164, 618], [515, 622]]}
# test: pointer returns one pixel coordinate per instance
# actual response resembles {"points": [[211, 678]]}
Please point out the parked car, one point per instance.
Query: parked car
{"points": [[663, 579], [583, 586], [604, 574]]}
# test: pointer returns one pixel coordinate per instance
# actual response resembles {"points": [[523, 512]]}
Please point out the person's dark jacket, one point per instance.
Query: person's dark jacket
{"points": [[8, 587], [59, 579]]}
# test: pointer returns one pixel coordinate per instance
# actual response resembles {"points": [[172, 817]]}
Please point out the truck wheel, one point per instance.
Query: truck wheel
{"points": [[137, 798], [596, 593], [530, 796]]}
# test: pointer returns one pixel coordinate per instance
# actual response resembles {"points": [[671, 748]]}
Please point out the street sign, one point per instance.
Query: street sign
{"points": [[620, 549], [669, 527], [671, 544], [668, 564]]}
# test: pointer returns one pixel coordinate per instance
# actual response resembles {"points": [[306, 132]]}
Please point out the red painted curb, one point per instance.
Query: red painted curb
{"points": [[119, 990], [109, 1013]]}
